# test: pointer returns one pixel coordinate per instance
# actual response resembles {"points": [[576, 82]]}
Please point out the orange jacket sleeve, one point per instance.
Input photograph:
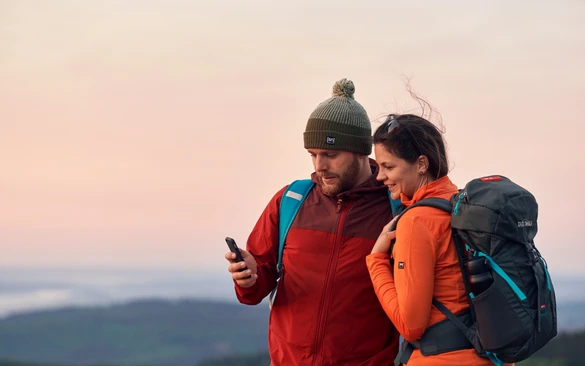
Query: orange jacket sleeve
{"points": [[406, 295]]}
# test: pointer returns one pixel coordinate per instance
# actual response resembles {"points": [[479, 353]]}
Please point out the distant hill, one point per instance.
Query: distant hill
{"points": [[17, 363], [563, 350], [258, 359], [566, 349], [164, 332], [150, 332], [571, 316]]}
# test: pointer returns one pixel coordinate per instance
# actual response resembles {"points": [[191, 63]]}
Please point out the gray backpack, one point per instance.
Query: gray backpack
{"points": [[494, 225]]}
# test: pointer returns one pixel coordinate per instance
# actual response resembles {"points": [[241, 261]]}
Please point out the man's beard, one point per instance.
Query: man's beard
{"points": [[346, 180]]}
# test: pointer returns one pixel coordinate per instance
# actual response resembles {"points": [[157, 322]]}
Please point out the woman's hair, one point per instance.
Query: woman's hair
{"points": [[409, 136]]}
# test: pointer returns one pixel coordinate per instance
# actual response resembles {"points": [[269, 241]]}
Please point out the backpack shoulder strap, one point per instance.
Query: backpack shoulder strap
{"points": [[436, 202], [439, 203], [292, 199], [468, 332], [290, 203]]}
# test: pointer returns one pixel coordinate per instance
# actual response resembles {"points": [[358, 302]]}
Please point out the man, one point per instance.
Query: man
{"points": [[326, 311]]}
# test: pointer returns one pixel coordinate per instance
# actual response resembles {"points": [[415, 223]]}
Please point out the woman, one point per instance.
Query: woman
{"points": [[410, 153]]}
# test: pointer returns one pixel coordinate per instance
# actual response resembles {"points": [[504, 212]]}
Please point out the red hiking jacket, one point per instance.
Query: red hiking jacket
{"points": [[326, 311]]}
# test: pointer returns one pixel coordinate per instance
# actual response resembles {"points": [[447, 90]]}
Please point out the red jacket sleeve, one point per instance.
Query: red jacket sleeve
{"points": [[263, 245], [406, 295]]}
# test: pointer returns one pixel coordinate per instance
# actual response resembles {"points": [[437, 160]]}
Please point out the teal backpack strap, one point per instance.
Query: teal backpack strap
{"points": [[292, 199], [291, 202], [396, 206]]}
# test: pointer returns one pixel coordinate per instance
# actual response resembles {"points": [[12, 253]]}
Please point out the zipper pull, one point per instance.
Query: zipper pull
{"points": [[456, 210], [339, 201]]}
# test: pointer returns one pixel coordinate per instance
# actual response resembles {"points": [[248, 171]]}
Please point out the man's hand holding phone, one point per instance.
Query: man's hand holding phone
{"points": [[242, 265]]}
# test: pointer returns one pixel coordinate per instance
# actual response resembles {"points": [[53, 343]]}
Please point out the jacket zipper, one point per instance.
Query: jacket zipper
{"points": [[321, 320]]}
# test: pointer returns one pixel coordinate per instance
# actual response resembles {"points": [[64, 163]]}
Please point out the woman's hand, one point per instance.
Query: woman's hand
{"points": [[386, 236]]}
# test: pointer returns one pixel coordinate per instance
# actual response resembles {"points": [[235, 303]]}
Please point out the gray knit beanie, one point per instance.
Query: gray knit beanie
{"points": [[340, 123]]}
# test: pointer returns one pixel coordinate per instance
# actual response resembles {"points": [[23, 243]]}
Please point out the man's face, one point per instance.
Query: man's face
{"points": [[337, 170]]}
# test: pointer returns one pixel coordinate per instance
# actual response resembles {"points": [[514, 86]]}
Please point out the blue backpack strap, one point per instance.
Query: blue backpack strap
{"points": [[292, 199], [291, 202], [440, 203], [396, 205], [436, 202]]}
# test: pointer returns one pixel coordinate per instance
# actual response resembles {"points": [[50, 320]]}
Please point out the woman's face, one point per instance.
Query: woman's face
{"points": [[397, 174]]}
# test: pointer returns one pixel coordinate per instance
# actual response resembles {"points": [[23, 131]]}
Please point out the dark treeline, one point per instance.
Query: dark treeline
{"points": [[566, 349]]}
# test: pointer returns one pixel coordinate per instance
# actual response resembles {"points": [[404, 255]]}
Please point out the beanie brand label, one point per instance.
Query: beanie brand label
{"points": [[330, 140]]}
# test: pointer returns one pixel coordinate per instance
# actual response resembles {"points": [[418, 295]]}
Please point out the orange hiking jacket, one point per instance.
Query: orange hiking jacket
{"points": [[426, 267]]}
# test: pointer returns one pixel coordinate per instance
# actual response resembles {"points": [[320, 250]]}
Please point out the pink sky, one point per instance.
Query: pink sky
{"points": [[141, 133]]}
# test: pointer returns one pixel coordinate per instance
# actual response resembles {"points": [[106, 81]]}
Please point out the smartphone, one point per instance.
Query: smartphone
{"points": [[234, 249]]}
